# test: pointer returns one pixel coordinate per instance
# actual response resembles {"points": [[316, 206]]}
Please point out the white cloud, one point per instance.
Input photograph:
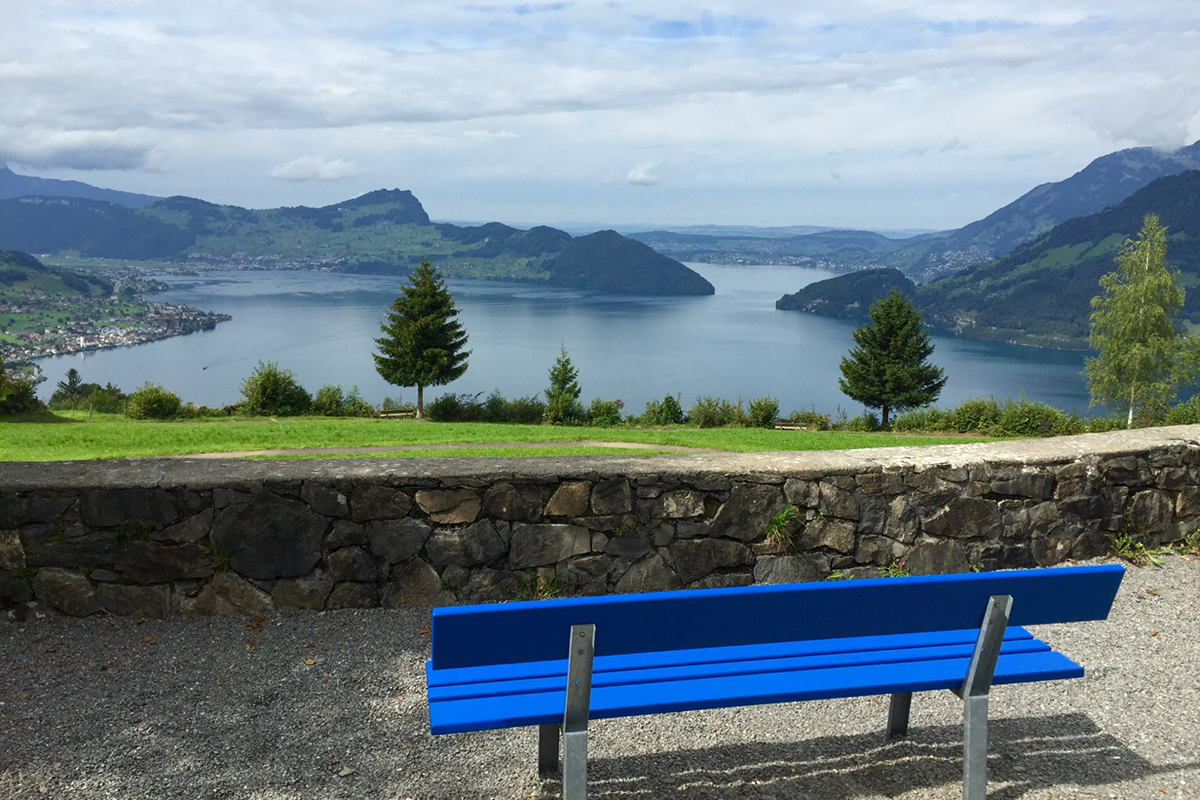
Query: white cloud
{"points": [[643, 174], [315, 168]]}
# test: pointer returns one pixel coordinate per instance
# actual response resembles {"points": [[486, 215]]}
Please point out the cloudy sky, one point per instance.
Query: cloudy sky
{"points": [[861, 113]]}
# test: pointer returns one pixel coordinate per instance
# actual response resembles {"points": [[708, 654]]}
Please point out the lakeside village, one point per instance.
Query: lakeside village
{"points": [[57, 326]]}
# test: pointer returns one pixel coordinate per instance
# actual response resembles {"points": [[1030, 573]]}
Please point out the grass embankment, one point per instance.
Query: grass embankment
{"points": [[75, 438]]}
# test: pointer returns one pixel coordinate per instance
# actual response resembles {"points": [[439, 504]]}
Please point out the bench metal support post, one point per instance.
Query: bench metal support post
{"points": [[898, 715], [974, 693], [548, 747], [575, 718]]}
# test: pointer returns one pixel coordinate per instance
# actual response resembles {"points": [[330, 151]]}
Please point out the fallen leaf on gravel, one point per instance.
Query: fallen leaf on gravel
{"points": [[310, 661], [147, 639], [424, 631], [345, 771], [1154, 633]]}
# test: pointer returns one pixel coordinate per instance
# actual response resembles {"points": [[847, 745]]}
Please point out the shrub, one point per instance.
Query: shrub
{"points": [[763, 412], [153, 402], [1025, 418], [604, 413], [495, 408], [715, 412], [667, 412], [526, 410], [974, 415], [329, 401], [450, 407], [923, 419], [271, 391], [1185, 413], [20, 397], [1110, 423]]}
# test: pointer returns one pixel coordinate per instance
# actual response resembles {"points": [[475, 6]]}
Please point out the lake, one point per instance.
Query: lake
{"points": [[734, 344]]}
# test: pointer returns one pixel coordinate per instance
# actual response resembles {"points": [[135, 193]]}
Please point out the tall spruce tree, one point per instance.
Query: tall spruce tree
{"points": [[422, 343], [887, 367], [1141, 360], [562, 398]]}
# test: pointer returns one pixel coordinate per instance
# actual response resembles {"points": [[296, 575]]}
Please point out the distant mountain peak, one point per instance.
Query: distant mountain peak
{"points": [[13, 185]]}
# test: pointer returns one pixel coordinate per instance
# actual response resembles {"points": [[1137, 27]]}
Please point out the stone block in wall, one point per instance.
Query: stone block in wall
{"points": [[1152, 511], [1089, 544], [651, 574], [544, 545], [936, 558], [153, 602], [190, 530], [903, 520], [632, 544], [485, 586], [354, 594], [796, 568], [1088, 506], [449, 506], [325, 500], [1052, 548], [696, 558], [224, 497], [1076, 479], [147, 562], [345, 533], [1035, 485], [608, 524], [878, 550], [468, 546], [612, 496], [723, 580], [747, 512], [1126, 470], [965, 518], [91, 550], [12, 554], [835, 534], [397, 540], [351, 564], [40, 507], [801, 493], [270, 537], [291, 594], [1172, 478], [682, 504], [106, 508], [872, 513], [513, 503], [837, 502], [226, 595], [662, 534], [1187, 502], [13, 588], [570, 499], [370, 501], [66, 590], [692, 530], [417, 584]]}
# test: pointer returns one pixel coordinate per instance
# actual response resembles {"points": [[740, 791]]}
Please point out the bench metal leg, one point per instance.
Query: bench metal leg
{"points": [[898, 715], [575, 719], [974, 693], [548, 748]]}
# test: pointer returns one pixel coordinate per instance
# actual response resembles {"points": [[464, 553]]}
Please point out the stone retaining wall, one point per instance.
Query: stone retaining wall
{"points": [[158, 537]]}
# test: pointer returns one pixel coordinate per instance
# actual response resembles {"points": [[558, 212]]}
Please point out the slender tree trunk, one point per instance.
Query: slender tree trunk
{"points": [[420, 402], [884, 417], [1129, 420]]}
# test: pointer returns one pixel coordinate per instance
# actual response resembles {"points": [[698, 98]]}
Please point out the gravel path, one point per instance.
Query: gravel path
{"points": [[331, 705]]}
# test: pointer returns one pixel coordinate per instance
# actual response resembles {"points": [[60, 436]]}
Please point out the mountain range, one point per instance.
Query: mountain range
{"points": [[1040, 293], [382, 232], [1104, 182]]}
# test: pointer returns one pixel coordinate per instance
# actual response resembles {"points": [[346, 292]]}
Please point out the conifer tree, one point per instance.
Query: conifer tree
{"points": [[1141, 360], [562, 398], [887, 367], [423, 341]]}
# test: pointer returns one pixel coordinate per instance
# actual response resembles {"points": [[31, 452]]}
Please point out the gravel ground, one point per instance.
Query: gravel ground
{"points": [[331, 705]]}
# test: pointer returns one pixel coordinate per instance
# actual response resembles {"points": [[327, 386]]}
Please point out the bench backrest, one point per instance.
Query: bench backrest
{"points": [[537, 630]]}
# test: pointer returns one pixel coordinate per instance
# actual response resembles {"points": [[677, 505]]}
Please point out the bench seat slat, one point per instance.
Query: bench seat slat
{"points": [[710, 655], [537, 708], [745, 668]]}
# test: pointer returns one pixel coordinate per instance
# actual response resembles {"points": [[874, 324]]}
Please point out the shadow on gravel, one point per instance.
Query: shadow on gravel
{"points": [[1024, 754]]}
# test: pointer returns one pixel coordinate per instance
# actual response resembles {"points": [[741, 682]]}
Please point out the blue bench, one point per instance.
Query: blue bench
{"points": [[558, 663]]}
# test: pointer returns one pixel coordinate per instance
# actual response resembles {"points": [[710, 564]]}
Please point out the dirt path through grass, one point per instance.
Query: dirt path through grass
{"points": [[340, 451]]}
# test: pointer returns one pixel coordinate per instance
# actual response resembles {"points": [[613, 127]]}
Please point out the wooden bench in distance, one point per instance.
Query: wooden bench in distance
{"points": [[558, 663]]}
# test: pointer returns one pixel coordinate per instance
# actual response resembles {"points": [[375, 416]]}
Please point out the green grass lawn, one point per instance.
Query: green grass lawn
{"points": [[67, 436]]}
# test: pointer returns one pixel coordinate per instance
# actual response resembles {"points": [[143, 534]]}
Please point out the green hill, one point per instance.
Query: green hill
{"points": [[382, 232], [1039, 294]]}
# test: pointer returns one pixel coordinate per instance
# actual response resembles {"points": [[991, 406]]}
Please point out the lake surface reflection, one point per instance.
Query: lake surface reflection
{"points": [[733, 344]]}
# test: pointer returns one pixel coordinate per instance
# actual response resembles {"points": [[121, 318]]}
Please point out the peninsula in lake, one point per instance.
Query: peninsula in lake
{"points": [[382, 232]]}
